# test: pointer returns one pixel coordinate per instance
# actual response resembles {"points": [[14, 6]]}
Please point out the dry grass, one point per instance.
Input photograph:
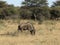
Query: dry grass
{"points": [[47, 33]]}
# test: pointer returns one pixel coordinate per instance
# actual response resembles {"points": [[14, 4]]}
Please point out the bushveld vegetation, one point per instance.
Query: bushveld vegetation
{"points": [[40, 11], [45, 19]]}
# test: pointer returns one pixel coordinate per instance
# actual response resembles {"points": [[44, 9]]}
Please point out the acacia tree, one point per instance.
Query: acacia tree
{"points": [[2, 6], [55, 10], [57, 3], [35, 3], [34, 6], [7, 10]]}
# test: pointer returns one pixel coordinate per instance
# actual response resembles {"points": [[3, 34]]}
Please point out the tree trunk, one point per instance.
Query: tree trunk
{"points": [[35, 17]]}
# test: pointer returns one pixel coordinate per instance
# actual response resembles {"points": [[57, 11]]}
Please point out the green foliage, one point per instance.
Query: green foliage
{"points": [[31, 9], [37, 9], [1, 14], [25, 14], [55, 12], [7, 10], [10, 11], [36, 13], [35, 3], [57, 3], [2, 4], [44, 13]]}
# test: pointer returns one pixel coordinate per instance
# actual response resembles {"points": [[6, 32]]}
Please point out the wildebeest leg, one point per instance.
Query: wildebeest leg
{"points": [[19, 28], [32, 32]]}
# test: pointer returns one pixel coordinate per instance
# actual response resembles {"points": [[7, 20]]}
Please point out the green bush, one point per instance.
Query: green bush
{"points": [[55, 12], [25, 14]]}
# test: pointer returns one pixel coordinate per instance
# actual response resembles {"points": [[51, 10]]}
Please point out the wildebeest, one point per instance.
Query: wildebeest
{"points": [[27, 26]]}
